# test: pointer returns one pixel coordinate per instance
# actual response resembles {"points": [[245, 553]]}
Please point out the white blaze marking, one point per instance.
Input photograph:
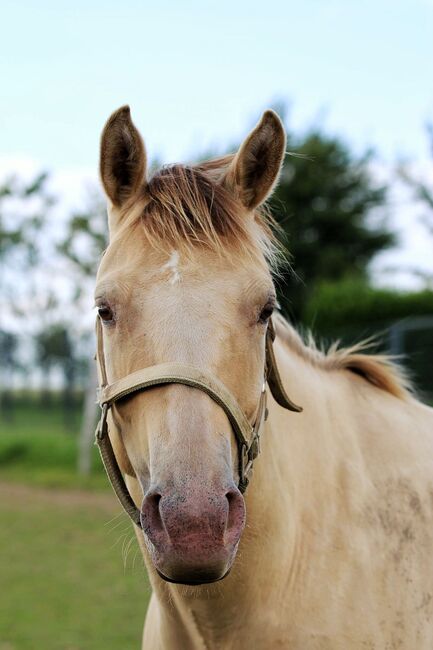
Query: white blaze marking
{"points": [[173, 266]]}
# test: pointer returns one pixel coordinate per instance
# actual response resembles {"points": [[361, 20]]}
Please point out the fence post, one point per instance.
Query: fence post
{"points": [[88, 423]]}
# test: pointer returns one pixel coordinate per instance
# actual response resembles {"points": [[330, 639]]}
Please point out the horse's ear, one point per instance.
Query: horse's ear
{"points": [[122, 161], [256, 167]]}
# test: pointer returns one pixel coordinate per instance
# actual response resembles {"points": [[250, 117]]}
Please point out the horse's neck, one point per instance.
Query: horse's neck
{"points": [[288, 489]]}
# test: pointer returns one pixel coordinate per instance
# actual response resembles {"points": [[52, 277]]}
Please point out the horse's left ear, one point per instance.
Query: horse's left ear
{"points": [[256, 167]]}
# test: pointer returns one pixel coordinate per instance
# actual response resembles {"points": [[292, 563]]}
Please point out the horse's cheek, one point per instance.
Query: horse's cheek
{"points": [[120, 452]]}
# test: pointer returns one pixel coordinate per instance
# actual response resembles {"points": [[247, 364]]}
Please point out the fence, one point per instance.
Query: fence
{"points": [[410, 340]]}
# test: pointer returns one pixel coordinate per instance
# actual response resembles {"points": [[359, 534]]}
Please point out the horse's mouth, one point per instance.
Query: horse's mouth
{"points": [[192, 580]]}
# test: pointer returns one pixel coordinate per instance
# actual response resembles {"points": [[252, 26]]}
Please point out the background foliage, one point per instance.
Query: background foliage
{"points": [[330, 209]]}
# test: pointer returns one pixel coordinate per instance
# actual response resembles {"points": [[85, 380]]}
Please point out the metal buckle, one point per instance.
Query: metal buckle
{"points": [[101, 428], [244, 467]]}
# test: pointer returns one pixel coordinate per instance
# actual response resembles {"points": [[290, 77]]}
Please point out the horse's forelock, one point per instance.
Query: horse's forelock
{"points": [[185, 206]]}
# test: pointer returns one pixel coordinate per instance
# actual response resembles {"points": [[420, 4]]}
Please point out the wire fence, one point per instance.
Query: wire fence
{"points": [[409, 341]]}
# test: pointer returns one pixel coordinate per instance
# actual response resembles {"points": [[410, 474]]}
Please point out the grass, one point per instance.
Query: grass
{"points": [[64, 585], [36, 448]]}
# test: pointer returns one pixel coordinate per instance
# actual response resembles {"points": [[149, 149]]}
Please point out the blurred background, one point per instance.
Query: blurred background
{"points": [[355, 203]]}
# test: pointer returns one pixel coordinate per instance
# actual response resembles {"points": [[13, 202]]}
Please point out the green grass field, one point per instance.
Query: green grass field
{"points": [[35, 447], [64, 581]]}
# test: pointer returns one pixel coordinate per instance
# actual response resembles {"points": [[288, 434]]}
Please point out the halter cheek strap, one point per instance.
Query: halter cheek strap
{"points": [[247, 435]]}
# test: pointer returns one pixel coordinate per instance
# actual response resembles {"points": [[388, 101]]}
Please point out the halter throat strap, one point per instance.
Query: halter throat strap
{"points": [[247, 435]]}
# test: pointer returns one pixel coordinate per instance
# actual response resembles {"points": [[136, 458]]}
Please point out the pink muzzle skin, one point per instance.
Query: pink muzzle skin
{"points": [[192, 537]]}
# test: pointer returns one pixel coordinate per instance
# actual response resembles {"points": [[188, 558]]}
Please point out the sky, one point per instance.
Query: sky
{"points": [[197, 75]]}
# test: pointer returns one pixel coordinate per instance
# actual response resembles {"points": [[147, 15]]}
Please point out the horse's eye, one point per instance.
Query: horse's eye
{"points": [[266, 312], [105, 313]]}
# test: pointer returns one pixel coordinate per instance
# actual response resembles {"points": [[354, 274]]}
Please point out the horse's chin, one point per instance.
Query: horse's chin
{"points": [[194, 570], [194, 578]]}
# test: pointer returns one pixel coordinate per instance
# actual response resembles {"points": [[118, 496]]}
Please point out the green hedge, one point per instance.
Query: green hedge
{"points": [[354, 303], [352, 311]]}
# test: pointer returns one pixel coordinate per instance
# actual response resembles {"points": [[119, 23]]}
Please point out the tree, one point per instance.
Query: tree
{"points": [[327, 204], [21, 217], [24, 207], [423, 193], [23, 212], [86, 238], [8, 364], [55, 349]]}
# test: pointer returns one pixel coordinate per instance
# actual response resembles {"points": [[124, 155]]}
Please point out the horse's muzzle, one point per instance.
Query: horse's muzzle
{"points": [[193, 535]]}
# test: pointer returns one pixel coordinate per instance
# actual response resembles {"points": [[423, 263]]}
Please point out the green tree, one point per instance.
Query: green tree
{"points": [[86, 238], [82, 247], [8, 365], [328, 206], [423, 193], [54, 348], [24, 207], [23, 211]]}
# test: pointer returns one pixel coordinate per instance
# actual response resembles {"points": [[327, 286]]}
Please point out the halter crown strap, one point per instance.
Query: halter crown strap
{"points": [[247, 435]]}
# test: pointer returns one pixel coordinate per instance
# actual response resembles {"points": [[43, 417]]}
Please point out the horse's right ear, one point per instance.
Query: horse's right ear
{"points": [[122, 161]]}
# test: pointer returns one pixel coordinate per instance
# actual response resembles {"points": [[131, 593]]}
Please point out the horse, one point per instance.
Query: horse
{"points": [[327, 543]]}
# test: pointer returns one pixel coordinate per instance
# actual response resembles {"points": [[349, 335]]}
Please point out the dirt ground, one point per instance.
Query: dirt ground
{"points": [[24, 495]]}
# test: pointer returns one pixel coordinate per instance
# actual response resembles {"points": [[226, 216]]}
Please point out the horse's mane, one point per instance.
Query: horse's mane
{"points": [[378, 369], [189, 205]]}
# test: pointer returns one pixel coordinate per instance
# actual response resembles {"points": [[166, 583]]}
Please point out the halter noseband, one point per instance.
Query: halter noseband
{"points": [[247, 435]]}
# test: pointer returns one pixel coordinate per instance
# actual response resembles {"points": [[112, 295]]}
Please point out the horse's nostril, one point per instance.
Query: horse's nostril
{"points": [[236, 511], [150, 512], [193, 520], [231, 497]]}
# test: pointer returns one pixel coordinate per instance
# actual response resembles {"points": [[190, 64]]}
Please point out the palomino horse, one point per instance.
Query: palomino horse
{"points": [[333, 538]]}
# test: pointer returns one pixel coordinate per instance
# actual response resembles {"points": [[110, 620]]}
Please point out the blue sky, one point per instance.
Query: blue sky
{"points": [[197, 74]]}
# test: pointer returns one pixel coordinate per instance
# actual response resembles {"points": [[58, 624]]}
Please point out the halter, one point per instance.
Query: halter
{"points": [[247, 435]]}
